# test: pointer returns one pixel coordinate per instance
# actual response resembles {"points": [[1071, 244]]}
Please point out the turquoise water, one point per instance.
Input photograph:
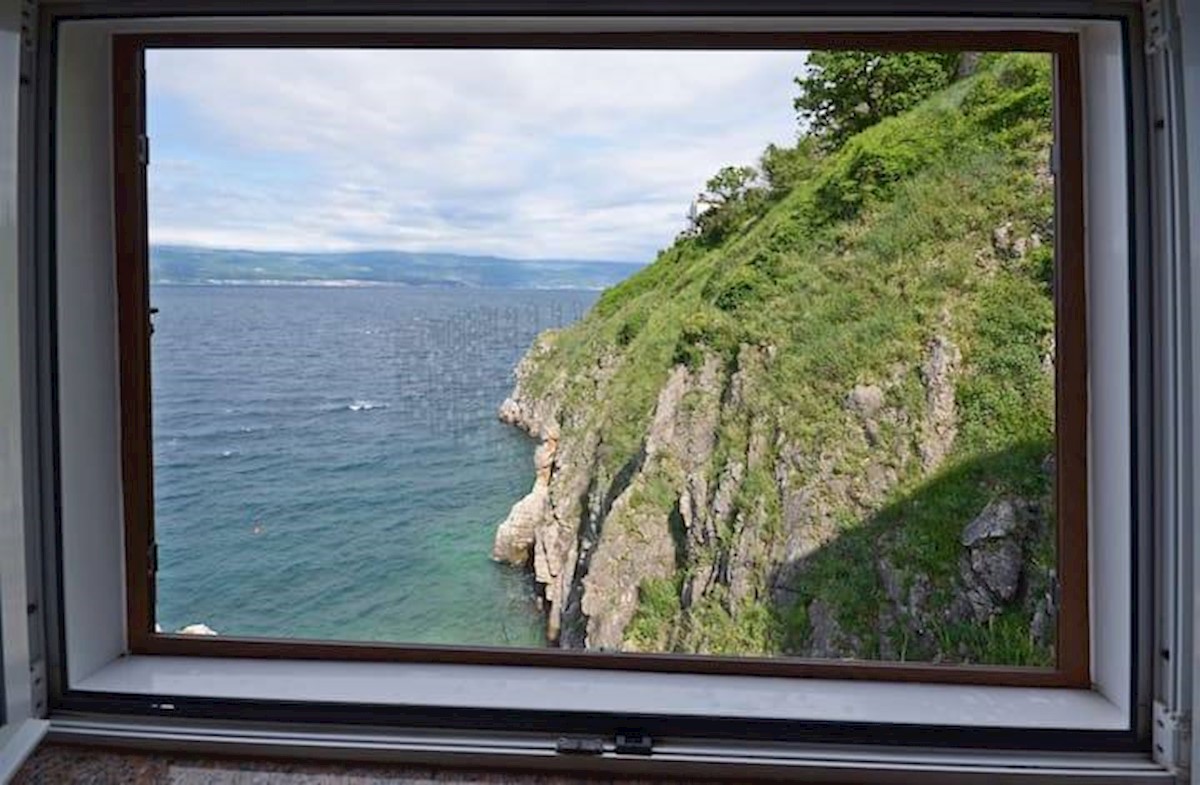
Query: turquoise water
{"points": [[328, 463]]}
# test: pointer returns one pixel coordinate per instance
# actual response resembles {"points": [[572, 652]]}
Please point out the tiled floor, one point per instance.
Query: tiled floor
{"points": [[54, 764]]}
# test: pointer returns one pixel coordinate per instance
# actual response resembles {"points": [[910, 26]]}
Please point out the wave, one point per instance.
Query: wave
{"points": [[366, 406]]}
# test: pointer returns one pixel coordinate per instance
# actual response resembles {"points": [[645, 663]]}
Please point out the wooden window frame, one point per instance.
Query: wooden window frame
{"points": [[1072, 645]]}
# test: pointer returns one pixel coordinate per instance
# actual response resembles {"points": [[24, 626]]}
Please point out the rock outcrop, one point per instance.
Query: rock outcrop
{"points": [[820, 434]]}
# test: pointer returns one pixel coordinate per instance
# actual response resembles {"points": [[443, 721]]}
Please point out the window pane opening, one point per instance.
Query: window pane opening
{"points": [[487, 348]]}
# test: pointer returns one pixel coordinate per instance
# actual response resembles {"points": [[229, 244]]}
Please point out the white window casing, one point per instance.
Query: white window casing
{"points": [[93, 633]]}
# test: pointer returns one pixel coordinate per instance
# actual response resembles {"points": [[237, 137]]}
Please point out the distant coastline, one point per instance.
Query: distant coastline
{"points": [[352, 283], [191, 266]]}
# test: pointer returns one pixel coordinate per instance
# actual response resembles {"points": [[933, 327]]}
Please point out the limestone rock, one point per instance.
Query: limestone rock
{"points": [[865, 399], [998, 520], [635, 546], [516, 534], [998, 566], [991, 569], [827, 639], [941, 415]]}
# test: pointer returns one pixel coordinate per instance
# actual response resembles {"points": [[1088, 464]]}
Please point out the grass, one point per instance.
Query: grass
{"points": [[846, 277]]}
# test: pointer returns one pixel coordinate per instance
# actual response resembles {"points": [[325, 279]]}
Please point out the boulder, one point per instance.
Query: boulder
{"points": [[992, 567]]}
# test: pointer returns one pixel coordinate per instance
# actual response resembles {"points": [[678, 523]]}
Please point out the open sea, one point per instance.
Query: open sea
{"points": [[328, 462]]}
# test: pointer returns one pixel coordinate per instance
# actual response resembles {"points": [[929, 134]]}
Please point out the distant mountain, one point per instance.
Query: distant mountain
{"points": [[187, 265]]}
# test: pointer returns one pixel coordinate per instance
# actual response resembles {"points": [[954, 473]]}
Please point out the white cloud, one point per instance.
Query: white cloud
{"points": [[570, 154]]}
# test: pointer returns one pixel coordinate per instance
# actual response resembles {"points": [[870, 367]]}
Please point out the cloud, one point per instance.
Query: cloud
{"points": [[539, 153]]}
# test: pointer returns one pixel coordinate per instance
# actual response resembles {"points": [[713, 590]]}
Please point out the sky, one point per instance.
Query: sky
{"points": [[526, 154]]}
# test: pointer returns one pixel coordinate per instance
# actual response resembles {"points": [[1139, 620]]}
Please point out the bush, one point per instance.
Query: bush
{"points": [[868, 166], [701, 331], [744, 286], [632, 326]]}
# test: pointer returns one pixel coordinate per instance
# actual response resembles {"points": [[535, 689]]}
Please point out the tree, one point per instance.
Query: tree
{"points": [[729, 185], [728, 198], [841, 93]]}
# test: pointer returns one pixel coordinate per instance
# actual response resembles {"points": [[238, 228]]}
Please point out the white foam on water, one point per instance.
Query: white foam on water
{"points": [[366, 406]]}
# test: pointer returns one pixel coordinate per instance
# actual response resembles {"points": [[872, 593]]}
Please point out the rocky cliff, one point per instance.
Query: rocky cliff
{"points": [[827, 434]]}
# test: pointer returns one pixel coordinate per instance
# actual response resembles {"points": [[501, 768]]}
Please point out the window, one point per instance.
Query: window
{"points": [[98, 665], [836, 421]]}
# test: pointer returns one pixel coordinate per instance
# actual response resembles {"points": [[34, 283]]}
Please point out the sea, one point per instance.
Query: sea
{"points": [[328, 463]]}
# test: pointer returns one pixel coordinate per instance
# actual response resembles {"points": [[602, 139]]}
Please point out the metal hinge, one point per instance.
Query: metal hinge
{"points": [[37, 684], [1159, 24], [152, 558], [1171, 736], [143, 144], [28, 40]]}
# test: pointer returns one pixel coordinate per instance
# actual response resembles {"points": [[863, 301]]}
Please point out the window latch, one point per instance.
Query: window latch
{"points": [[633, 743], [573, 745]]}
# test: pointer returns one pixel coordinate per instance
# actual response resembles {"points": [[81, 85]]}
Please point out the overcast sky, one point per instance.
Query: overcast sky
{"points": [[529, 154]]}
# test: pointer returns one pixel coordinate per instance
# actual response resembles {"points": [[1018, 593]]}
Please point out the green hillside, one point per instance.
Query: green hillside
{"points": [[820, 423]]}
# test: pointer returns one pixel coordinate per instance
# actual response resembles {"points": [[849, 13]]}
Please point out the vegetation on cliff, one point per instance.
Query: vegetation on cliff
{"points": [[819, 423]]}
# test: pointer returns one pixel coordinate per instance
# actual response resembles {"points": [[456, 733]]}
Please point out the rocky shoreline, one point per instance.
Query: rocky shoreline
{"points": [[593, 540]]}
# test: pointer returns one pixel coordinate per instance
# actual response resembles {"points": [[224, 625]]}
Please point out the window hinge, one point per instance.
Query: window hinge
{"points": [[143, 144], [1159, 20], [28, 41], [152, 558], [37, 683], [1171, 736]]}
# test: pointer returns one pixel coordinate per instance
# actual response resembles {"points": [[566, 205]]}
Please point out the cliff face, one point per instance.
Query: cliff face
{"points": [[827, 434]]}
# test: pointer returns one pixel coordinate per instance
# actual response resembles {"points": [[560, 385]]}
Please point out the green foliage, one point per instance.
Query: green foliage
{"points": [[924, 524], [1013, 100], [866, 169], [712, 628], [845, 92], [632, 326], [743, 287], [730, 197], [784, 168], [846, 259], [704, 332], [657, 612]]}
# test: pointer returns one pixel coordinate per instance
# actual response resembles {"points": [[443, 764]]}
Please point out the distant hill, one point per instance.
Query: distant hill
{"points": [[187, 265]]}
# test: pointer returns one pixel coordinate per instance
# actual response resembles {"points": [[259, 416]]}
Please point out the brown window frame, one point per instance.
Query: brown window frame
{"points": [[1072, 648]]}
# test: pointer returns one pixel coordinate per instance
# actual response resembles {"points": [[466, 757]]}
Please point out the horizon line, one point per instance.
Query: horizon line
{"points": [[543, 259]]}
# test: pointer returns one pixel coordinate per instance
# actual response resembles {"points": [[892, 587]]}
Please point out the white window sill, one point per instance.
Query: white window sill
{"points": [[600, 691], [17, 742]]}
